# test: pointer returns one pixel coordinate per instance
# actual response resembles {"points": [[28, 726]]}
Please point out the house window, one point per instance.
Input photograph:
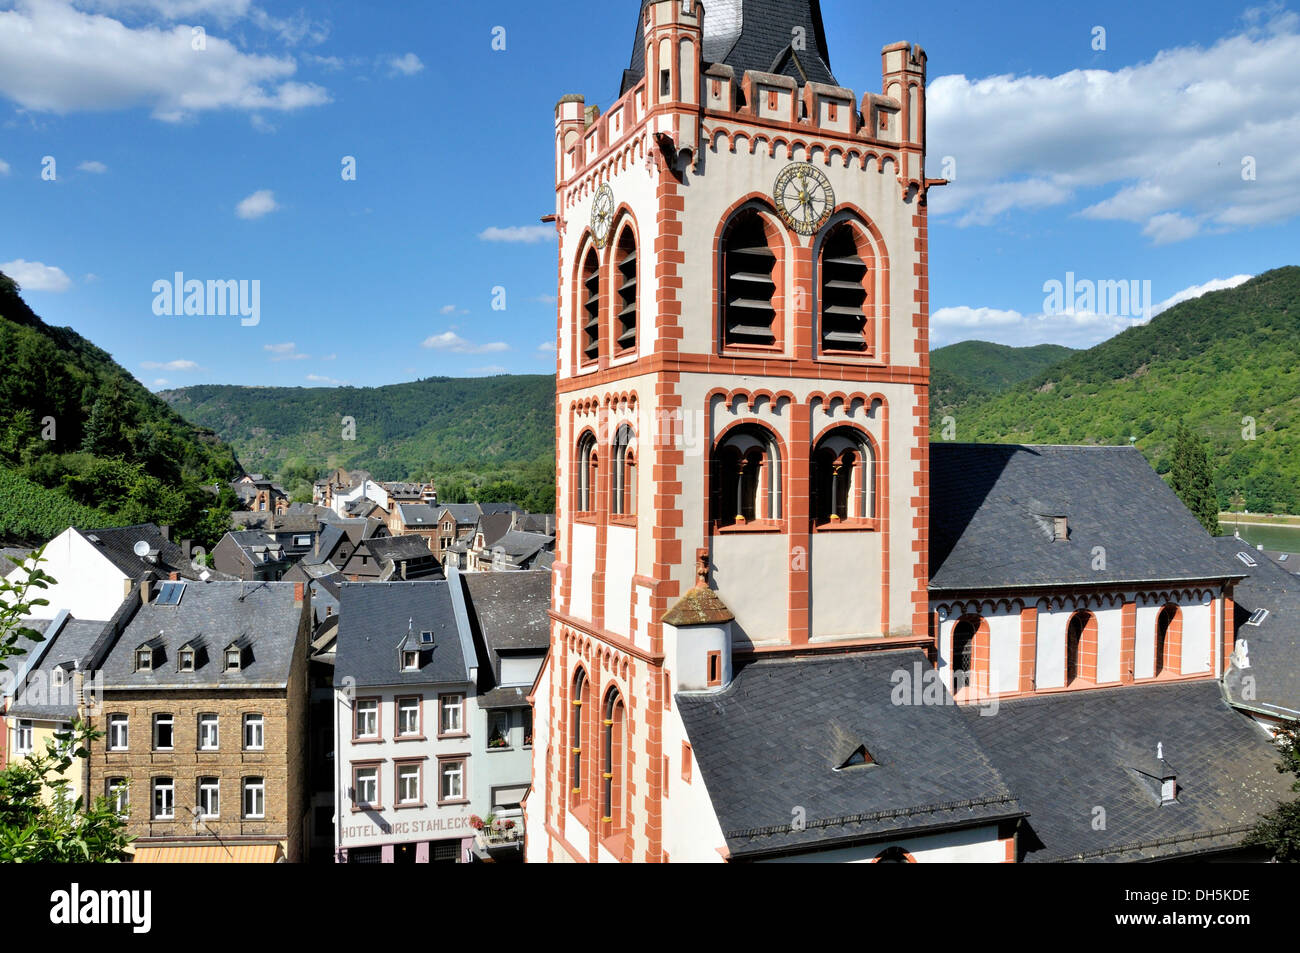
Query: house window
{"points": [[408, 783], [208, 732], [56, 678], [612, 755], [187, 660], [843, 478], [844, 297], [162, 733], [528, 727], [589, 313], [452, 714], [1060, 529], [233, 660], [209, 798], [408, 717], [963, 654], [254, 798], [164, 799], [118, 794], [117, 732], [715, 669], [586, 474], [144, 660], [581, 689], [451, 784], [498, 729], [1168, 642], [687, 763], [410, 661], [746, 477], [749, 285], [366, 718], [254, 733], [1081, 649], [23, 738], [625, 258], [365, 785], [622, 498]]}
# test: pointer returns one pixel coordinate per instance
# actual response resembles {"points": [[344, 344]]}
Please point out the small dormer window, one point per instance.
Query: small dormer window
{"points": [[860, 757], [410, 661], [186, 662], [1060, 529], [1168, 790], [56, 678], [234, 660], [144, 660], [1257, 617]]}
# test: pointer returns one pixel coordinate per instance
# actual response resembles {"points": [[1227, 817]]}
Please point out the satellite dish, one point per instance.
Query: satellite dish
{"points": [[141, 549]]}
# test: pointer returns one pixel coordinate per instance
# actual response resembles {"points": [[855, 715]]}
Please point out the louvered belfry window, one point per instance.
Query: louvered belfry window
{"points": [[749, 314], [625, 257], [844, 293], [590, 292]]}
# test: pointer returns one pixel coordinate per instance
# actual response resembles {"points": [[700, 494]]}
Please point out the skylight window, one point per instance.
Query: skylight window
{"points": [[170, 594], [426, 638], [1246, 558], [1257, 617], [860, 757]]}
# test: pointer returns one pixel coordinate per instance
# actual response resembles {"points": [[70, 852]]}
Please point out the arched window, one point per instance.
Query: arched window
{"points": [[844, 292], [581, 691], [589, 312], [1081, 649], [622, 501], [626, 277], [1168, 643], [586, 474], [612, 775], [749, 285], [963, 654], [746, 477], [843, 478]]}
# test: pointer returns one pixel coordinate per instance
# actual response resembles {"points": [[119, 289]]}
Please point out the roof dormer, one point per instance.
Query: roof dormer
{"points": [[190, 656], [149, 655], [237, 655]]}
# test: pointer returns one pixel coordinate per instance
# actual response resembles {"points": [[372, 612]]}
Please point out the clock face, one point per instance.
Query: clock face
{"points": [[602, 215], [804, 197]]}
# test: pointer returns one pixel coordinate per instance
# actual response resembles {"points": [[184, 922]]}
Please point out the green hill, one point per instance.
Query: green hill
{"points": [[970, 370], [490, 438], [78, 429], [1225, 364]]}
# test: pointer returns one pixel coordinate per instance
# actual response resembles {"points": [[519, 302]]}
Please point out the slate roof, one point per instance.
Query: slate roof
{"points": [[215, 614], [991, 510], [117, 545], [1273, 646], [1069, 753], [520, 546], [326, 543], [418, 514], [270, 522], [543, 523], [463, 513], [511, 609], [374, 621], [10, 557], [74, 643], [772, 739], [493, 526], [258, 547], [400, 547], [754, 35]]}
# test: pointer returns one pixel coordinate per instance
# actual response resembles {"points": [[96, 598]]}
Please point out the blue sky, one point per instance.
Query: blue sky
{"points": [[1122, 163]]}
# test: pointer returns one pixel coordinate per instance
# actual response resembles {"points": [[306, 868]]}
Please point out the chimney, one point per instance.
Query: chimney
{"points": [[174, 577], [297, 594], [146, 587], [187, 548], [166, 532]]}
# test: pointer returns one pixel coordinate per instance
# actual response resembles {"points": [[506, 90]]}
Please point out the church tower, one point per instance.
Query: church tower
{"points": [[742, 400]]}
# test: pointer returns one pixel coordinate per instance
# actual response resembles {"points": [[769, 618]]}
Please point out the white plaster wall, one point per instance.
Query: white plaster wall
{"points": [[751, 572], [1051, 647], [1197, 638], [977, 845], [584, 565], [620, 566], [1004, 652], [87, 584], [1110, 628], [1144, 645], [536, 838], [846, 584]]}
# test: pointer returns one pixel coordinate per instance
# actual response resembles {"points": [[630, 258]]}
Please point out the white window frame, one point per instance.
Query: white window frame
{"points": [[447, 704], [212, 785], [186, 660], [254, 788], [238, 662], [158, 720], [209, 723], [255, 720], [404, 773], [367, 714], [118, 795], [24, 737], [161, 785], [448, 770], [115, 722], [404, 707], [357, 799]]}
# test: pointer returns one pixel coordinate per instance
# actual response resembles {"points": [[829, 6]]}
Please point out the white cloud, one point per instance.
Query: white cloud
{"points": [[1195, 291], [288, 351], [180, 365], [93, 166], [256, 205], [330, 357], [4, 167], [1167, 145], [519, 234], [318, 379], [547, 347], [453, 342], [406, 65], [547, 299], [55, 58], [161, 382], [490, 371], [36, 276]]}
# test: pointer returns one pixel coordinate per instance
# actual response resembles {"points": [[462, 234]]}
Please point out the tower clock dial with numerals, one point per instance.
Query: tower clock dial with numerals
{"points": [[804, 197], [602, 215]]}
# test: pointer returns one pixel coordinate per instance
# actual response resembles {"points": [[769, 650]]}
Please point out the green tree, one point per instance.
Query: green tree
{"points": [[60, 829], [1192, 479], [1279, 830]]}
